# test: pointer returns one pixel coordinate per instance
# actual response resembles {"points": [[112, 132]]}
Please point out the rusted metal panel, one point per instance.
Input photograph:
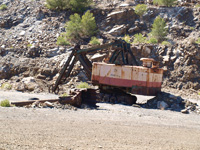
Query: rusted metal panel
{"points": [[139, 79], [24, 103]]}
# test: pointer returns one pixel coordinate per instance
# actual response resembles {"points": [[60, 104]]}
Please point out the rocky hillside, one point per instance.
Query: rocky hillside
{"points": [[29, 31]]}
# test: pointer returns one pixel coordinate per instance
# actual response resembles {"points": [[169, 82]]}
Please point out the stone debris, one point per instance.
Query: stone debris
{"points": [[166, 101], [55, 105]]}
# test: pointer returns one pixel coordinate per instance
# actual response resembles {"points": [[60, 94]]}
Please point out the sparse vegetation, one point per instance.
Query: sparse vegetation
{"points": [[88, 24], [152, 41], [6, 86], [3, 7], [62, 40], [64, 95], [192, 28], [83, 85], [197, 5], [29, 45], [57, 4], [167, 3], [166, 43], [78, 27], [138, 39], [79, 5], [73, 27], [94, 41], [140, 9], [75, 5], [127, 38], [5, 103], [159, 30], [198, 41]]}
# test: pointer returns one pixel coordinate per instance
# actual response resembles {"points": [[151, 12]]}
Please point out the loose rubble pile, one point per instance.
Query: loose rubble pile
{"points": [[58, 105], [47, 104], [166, 101]]}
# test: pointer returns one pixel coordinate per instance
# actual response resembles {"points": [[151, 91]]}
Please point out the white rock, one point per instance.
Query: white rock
{"points": [[117, 30], [48, 104], [27, 80], [3, 46], [165, 58], [22, 33], [185, 111], [162, 105]]}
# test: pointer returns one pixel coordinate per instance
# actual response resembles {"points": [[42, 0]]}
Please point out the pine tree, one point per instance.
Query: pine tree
{"points": [[78, 27], [73, 27], [88, 24], [140, 9], [159, 30]]}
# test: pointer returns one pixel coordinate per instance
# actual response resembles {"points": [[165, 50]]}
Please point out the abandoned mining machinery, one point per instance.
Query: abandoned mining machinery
{"points": [[118, 73]]}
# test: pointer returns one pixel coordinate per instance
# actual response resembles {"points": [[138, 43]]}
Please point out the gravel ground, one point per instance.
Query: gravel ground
{"points": [[20, 96], [108, 127]]}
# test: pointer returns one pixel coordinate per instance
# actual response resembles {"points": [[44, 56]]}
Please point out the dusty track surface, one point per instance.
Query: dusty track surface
{"points": [[108, 127]]}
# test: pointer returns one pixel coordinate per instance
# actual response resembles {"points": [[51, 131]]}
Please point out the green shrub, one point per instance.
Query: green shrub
{"points": [[73, 27], [140, 9], [62, 40], [152, 41], [5, 103], [192, 28], [78, 27], [94, 41], [80, 5], [6, 86], [167, 3], [75, 5], [88, 24], [159, 30], [127, 38], [29, 45], [83, 85], [138, 38], [57, 4], [198, 41], [166, 43], [64, 95], [197, 5], [3, 7]]}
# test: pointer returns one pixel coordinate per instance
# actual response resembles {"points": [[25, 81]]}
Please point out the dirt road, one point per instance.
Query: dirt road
{"points": [[108, 127]]}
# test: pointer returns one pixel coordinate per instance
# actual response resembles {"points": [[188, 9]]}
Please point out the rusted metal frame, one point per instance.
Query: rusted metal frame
{"points": [[71, 67], [122, 53], [81, 51], [61, 74], [115, 56], [85, 66], [112, 57], [74, 100], [133, 57], [24, 103], [87, 61], [126, 54], [126, 46]]}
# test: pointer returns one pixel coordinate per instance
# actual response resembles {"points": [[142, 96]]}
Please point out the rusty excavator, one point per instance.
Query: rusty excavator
{"points": [[118, 74]]}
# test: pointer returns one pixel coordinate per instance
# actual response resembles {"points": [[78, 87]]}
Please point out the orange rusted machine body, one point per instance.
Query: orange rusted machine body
{"points": [[144, 80]]}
